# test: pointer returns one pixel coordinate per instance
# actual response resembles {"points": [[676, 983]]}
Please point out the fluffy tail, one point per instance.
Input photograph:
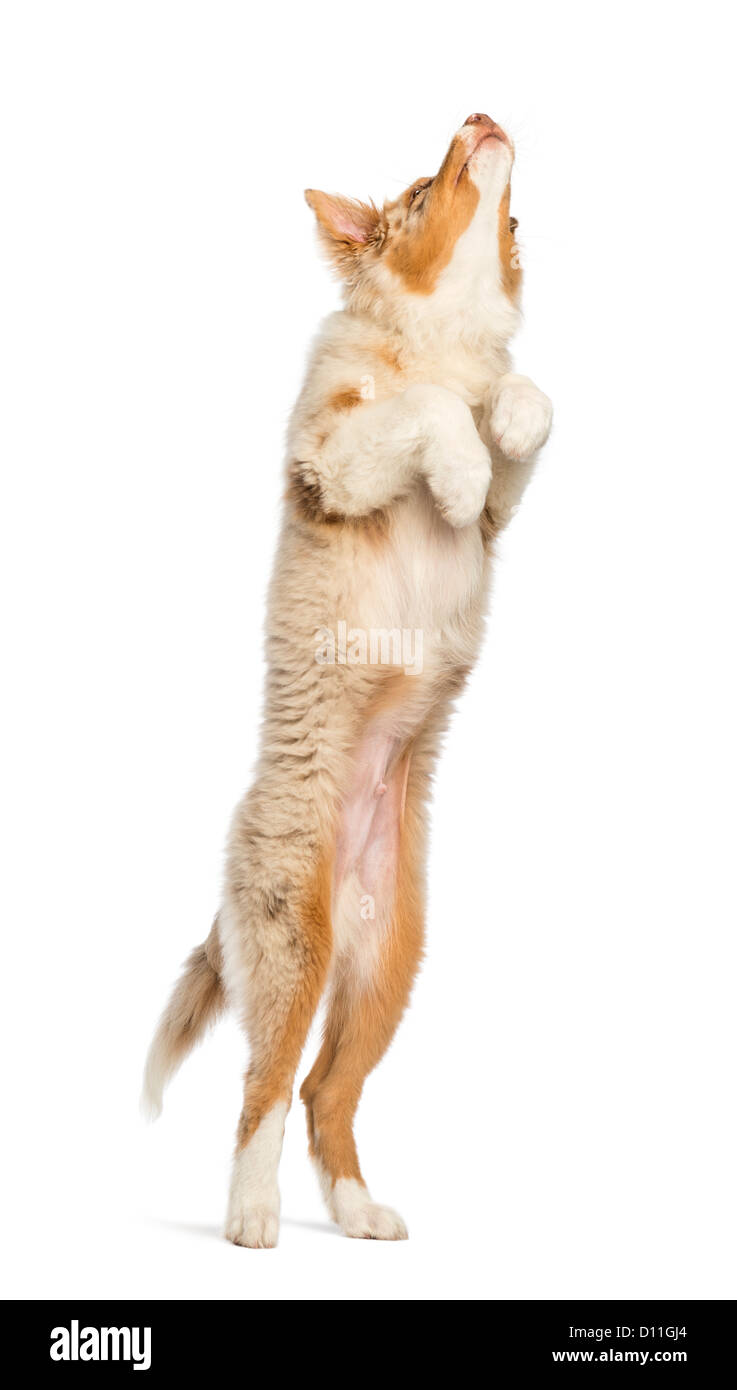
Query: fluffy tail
{"points": [[197, 1001]]}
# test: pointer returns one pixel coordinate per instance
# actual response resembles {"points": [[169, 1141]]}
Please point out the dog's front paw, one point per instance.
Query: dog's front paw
{"points": [[520, 417], [459, 480], [359, 1217]]}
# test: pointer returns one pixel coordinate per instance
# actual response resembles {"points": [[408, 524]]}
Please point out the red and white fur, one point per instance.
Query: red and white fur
{"points": [[409, 448]]}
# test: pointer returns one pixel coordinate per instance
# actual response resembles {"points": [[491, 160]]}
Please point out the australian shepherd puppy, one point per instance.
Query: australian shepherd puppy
{"points": [[409, 448]]}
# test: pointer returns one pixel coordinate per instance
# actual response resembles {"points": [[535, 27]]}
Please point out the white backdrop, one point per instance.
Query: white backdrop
{"points": [[556, 1117]]}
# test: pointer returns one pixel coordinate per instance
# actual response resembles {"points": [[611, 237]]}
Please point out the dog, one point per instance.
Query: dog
{"points": [[409, 449]]}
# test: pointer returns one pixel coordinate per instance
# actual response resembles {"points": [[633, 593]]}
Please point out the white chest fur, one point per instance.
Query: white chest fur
{"points": [[426, 575]]}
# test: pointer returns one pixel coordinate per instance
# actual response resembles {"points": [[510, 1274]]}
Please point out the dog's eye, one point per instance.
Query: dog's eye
{"points": [[513, 224], [418, 190]]}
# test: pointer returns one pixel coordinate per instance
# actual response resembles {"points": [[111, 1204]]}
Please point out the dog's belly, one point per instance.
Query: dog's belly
{"points": [[367, 849], [427, 581]]}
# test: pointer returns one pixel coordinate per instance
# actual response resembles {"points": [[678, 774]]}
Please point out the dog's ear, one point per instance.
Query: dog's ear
{"points": [[345, 226]]}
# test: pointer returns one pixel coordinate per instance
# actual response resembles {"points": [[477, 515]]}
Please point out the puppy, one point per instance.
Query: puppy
{"points": [[409, 448]]}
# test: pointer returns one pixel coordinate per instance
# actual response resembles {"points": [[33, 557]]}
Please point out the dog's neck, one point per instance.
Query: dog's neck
{"points": [[467, 320], [460, 346]]}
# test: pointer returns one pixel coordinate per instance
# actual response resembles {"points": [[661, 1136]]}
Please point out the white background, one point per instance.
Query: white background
{"points": [[556, 1117]]}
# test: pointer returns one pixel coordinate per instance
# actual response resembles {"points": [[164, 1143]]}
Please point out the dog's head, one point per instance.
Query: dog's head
{"points": [[437, 241]]}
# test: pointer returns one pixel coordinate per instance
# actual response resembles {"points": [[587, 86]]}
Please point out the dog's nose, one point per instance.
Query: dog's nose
{"points": [[478, 118]]}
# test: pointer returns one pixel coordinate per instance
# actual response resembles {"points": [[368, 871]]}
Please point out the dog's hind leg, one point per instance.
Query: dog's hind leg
{"points": [[276, 944], [371, 986]]}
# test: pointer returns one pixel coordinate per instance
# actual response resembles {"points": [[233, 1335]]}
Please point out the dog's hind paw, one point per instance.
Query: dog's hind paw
{"points": [[361, 1218], [255, 1227]]}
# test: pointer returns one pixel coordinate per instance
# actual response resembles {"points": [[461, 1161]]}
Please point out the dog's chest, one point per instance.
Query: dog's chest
{"points": [[426, 575]]}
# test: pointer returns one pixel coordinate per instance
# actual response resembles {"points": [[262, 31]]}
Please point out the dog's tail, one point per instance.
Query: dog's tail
{"points": [[197, 1001]]}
